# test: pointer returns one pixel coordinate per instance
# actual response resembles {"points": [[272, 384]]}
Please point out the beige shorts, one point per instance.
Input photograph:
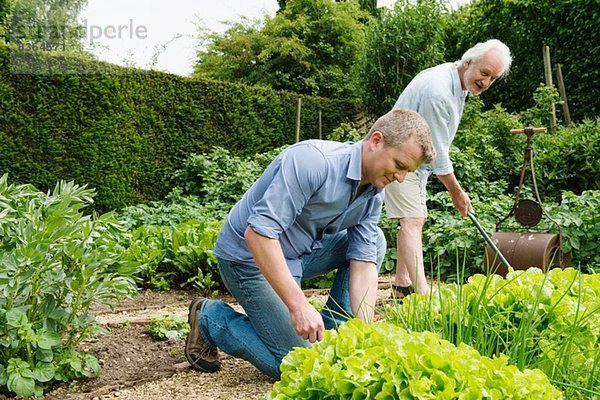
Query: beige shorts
{"points": [[407, 199]]}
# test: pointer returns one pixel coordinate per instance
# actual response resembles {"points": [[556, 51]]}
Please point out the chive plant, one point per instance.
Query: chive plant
{"points": [[549, 321]]}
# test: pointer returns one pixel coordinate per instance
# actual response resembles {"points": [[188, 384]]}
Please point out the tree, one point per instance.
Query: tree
{"points": [[368, 5], [4, 18], [309, 47], [235, 55], [401, 43], [51, 22]]}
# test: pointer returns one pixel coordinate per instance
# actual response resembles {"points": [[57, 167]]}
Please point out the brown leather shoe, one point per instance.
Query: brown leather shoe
{"points": [[201, 355]]}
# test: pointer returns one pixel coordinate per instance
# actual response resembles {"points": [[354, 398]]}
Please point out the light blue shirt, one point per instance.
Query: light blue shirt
{"points": [[306, 192], [437, 95]]}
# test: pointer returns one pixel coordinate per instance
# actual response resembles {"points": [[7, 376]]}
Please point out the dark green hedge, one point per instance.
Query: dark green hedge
{"points": [[124, 131]]}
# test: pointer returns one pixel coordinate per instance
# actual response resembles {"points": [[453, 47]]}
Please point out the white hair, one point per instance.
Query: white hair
{"points": [[476, 52]]}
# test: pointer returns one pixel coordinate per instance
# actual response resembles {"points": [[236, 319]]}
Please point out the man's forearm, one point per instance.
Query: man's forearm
{"points": [[267, 253], [450, 182], [269, 257], [363, 289]]}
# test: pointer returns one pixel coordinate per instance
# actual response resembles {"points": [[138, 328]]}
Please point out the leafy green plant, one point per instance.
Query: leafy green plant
{"points": [[320, 282], [219, 179], [177, 255], [390, 230], [568, 160], [168, 327], [547, 321], [383, 361], [484, 150], [580, 223], [55, 263], [173, 210], [347, 132], [545, 97], [449, 239]]}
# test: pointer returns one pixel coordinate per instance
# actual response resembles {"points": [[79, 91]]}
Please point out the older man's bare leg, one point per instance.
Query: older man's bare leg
{"points": [[409, 265]]}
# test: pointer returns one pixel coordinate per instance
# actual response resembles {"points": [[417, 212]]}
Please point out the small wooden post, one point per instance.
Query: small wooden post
{"points": [[298, 112], [320, 125], [548, 75], [563, 95]]}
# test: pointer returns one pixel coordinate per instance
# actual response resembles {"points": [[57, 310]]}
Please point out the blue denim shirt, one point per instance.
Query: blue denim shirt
{"points": [[436, 94], [306, 192]]}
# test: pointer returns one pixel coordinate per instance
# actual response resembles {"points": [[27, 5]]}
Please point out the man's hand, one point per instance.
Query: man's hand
{"points": [[460, 199], [461, 202], [307, 322]]}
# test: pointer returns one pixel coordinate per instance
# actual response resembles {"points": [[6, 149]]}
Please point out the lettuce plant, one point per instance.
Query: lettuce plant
{"points": [[547, 321], [384, 361], [168, 327]]}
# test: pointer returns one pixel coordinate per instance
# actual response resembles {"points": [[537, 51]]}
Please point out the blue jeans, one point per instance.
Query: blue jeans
{"points": [[264, 335]]}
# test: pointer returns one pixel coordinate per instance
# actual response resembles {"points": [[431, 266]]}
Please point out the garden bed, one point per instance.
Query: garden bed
{"points": [[137, 366]]}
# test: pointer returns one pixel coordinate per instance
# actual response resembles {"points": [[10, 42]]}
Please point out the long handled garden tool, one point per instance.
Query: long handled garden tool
{"points": [[489, 241], [528, 246]]}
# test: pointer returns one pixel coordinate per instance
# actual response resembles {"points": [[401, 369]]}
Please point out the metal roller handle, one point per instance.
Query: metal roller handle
{"points": [[489, 240], [529, 130]]}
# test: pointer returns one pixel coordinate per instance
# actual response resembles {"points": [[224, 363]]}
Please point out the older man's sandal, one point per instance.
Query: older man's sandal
{"points": [[401, 292]]}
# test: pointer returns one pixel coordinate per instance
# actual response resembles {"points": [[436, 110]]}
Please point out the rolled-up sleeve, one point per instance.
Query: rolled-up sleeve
{"points": [[362, 238], [436, 112], [302, 170]]}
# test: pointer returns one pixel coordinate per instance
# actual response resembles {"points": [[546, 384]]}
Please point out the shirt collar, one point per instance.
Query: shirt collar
{"points": [[355, 164], [457, 90]]}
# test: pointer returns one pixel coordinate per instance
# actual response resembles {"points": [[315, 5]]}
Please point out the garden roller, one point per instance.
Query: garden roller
{"points": [[527, 247]]}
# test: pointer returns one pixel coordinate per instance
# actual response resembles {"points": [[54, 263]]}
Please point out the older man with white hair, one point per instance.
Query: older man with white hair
{"points": [[438, 94]]}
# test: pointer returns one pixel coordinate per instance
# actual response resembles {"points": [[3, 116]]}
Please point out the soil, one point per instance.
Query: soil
{"points": [[136, 366]]}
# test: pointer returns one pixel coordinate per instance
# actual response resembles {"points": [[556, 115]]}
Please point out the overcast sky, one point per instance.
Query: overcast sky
{"points": [[162, 34]]}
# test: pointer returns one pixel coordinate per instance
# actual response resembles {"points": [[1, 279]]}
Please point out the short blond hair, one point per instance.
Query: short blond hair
{"points": [[397, 126]]}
